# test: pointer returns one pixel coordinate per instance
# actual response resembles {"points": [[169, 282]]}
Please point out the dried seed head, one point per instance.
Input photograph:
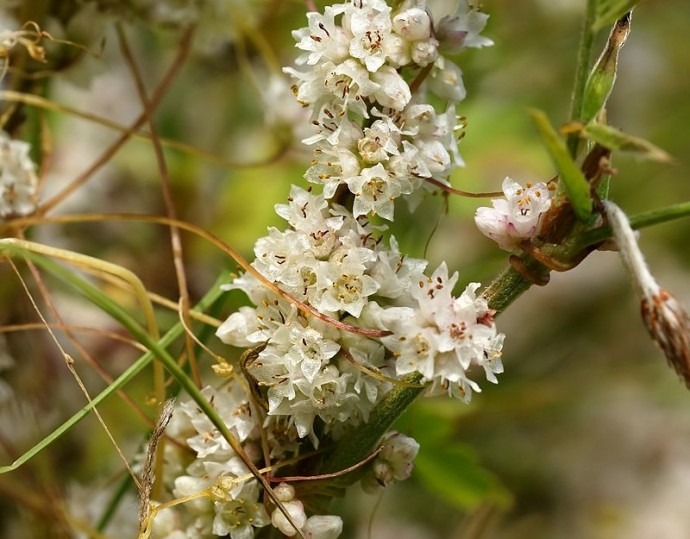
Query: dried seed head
{"points": [[669, 325], [663, 315]]}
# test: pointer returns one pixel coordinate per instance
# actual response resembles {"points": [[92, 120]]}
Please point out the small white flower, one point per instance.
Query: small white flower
{"points": [[310, 351], [322, 39], [518, 217], [445, 80], [370, 30], [379, 142], [18, 181], [238, 517], [333, 168], [344, 286], [424, 52], [237, 328], [232, 406], [441, 337], [280, 256], [395, 272], [392, 89], [375, 190]]}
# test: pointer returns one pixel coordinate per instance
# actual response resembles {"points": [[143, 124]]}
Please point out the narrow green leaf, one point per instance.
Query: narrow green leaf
{"points": [[614, 139], [118, 383], [609, 11], [452, 472], [576, 186]]}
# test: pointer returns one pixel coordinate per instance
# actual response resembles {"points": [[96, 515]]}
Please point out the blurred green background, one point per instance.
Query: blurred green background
{"points": [[588, 432]]}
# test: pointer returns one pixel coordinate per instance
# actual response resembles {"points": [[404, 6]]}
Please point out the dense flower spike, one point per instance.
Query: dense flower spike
{"points": [[350, 71], [374, 143]]}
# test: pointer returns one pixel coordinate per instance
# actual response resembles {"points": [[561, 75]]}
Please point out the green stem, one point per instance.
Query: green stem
{"points": [[641, 220], [581, 72], [355, 448]]}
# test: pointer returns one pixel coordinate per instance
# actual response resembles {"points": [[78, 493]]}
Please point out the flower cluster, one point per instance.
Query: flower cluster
{"points": [[517, 217], [231, 505], [364, 75], [18, 181], [373, 136]]}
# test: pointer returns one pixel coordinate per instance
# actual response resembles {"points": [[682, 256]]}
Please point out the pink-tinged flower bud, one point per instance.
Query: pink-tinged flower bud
{"points": [[451, 35], [462, 29]]}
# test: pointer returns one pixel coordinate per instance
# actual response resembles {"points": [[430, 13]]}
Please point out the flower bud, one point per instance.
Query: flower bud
{"points": [[284, 492], [603, 75], [323, 527], [296, 511], [413, 24], [450, 34]]}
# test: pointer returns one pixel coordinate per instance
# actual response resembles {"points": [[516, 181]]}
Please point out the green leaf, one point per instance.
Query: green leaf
{"points": [[614, 139], [452, 472], [576, 186], [609, 11]]}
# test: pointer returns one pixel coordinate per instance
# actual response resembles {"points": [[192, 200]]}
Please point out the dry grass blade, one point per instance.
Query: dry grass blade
{"points": [[148, 474]]}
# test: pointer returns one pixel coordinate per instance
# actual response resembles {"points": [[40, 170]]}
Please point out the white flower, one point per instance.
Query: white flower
{"points": [[392, 89], [370, 29], [379, 141], [238, 327], [18, 181], [232, 405], [344, 286], [323, 39], [280, 256], [333, 168], [518, 217], [445, 80], [396, 272], [309, 352], [375, 190], [239, 516], [425, 52]]}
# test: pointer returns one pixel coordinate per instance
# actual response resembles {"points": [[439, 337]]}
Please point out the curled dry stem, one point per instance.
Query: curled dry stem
{"points": [[306, 309]]}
